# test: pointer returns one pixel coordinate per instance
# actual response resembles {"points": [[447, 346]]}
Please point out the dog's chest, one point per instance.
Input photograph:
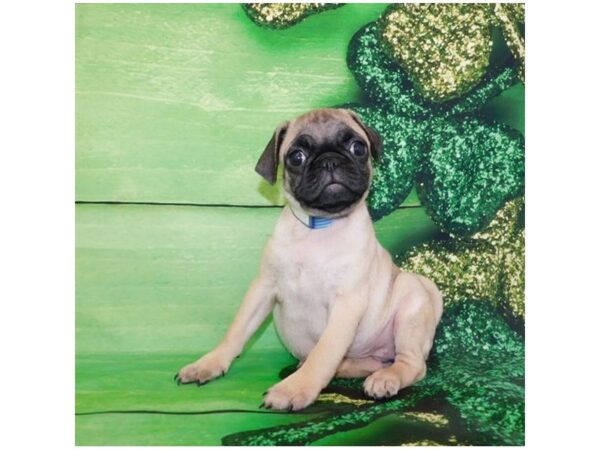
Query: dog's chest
{"points": [[310, 273]]}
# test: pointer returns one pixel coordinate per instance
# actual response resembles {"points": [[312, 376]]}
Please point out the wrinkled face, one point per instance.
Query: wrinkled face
{"points": [[325, 155], [327, 166]]}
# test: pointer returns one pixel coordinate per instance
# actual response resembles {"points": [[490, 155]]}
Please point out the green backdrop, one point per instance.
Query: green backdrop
{"points": [[174, 104]]}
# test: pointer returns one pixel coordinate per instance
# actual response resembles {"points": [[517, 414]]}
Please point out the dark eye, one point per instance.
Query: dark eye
{"points": [[357, 148], [296, 158]]}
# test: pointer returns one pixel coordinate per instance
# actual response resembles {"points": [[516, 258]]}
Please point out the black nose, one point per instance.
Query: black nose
{"points": [[329, 164]]}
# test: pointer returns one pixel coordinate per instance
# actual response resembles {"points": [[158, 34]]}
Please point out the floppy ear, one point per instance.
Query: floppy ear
{"points": [[268, 161], [374, 139]]}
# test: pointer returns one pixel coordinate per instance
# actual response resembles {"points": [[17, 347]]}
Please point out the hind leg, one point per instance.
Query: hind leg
{"points": [[419, 308], [358, 367]]}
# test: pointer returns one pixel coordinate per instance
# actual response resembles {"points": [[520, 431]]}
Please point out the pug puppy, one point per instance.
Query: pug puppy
{"points": [[339, 303]]}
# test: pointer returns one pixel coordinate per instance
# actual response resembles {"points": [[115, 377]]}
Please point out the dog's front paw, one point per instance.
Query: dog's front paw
{"points": [[208, 367], [383, 383], [293, 393]]}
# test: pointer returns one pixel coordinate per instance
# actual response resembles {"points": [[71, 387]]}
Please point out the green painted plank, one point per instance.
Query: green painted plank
{"points": [[170, 278], [159, 430], [144, 382], [174, 103]]}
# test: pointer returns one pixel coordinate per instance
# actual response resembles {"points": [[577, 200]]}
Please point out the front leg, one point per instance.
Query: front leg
{"points": [[302, 387], [256, 306]]}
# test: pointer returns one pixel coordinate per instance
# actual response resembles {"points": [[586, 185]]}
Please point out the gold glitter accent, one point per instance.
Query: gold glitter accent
{"points": [[444, 48], [283, 15], [488, 266], [423, 443], [339, 398], [508, 16], [437, 420]]}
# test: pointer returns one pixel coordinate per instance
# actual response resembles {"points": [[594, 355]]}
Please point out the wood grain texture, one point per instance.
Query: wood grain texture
{"points": [[174, 103], [170, 278], [144, 382]]}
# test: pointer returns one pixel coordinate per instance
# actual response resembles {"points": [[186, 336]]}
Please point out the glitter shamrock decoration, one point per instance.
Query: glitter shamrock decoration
{"points": [[488, 266], [403, 141], [476, 366], [466, 167], [284, 15], [471, 168], [387, 85], [508, 16], [445, 48]]}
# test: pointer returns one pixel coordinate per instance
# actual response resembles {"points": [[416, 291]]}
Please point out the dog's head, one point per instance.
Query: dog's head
{"points": [[326, 155]]}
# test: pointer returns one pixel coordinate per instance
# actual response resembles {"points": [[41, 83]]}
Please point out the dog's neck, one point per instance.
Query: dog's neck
{"points": [[317, 222], [308, 220]]}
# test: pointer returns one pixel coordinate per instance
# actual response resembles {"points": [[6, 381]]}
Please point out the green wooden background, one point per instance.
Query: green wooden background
{"points": [[174, 104]]}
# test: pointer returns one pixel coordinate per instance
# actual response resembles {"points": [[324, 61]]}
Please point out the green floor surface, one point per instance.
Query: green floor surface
{"points": [[131, 399]]}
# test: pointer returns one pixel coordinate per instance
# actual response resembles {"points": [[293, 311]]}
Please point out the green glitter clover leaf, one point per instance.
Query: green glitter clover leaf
{"points": [[386, 84], [403, 141], [467, 167], [481, 365], [471, 169], [477, 365]]}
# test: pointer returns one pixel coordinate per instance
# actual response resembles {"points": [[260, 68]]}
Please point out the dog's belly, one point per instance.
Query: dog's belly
{"points": [[301, 318], [376, 342]]}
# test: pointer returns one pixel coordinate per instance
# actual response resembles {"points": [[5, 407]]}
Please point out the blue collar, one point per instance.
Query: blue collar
{"points": [[312, 222]]}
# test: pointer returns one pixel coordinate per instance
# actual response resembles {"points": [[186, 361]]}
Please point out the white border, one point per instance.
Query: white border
{"points": [[38, 224], [36, 185]]}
